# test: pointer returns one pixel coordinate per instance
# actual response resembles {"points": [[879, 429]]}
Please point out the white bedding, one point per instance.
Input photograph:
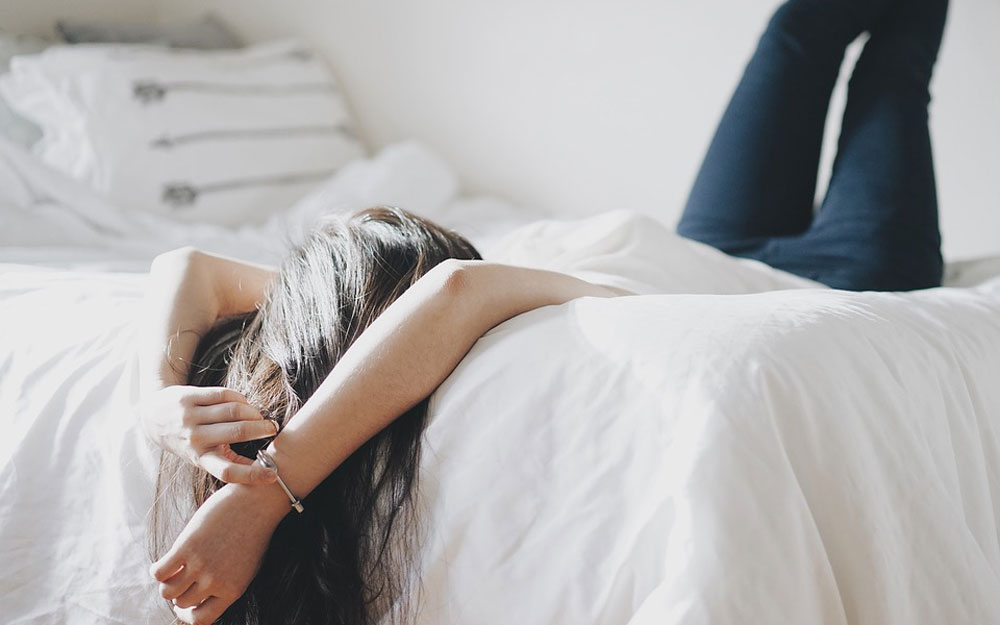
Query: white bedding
{"points": [[793, 457], [47, 219], [803, 456], [217, 136]]}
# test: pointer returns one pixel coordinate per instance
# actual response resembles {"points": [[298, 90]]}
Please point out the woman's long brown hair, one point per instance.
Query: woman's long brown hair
{"points": [[346, 560]]}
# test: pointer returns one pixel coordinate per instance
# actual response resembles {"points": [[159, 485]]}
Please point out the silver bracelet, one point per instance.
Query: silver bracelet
{"points": [[268, 462]]}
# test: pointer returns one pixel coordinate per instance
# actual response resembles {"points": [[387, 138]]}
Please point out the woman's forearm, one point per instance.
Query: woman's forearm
{"points": [[180, 305], [189, 290], [402, 357]]}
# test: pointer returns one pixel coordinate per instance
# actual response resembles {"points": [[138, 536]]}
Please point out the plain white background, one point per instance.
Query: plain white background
{"points": [[586, 105]]}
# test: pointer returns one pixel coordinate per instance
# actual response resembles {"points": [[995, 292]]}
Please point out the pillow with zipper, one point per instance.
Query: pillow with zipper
{"points": [[225, 137]]}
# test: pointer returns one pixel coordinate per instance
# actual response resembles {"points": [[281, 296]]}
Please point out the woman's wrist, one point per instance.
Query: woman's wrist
{"points": [[266, 502]]}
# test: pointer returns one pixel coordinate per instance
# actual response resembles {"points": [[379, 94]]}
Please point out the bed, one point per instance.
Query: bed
{"points": [[795, 456]]}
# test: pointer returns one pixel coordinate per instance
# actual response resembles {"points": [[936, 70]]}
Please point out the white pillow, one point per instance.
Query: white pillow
{"points": [[15, 127], [225, 137]]}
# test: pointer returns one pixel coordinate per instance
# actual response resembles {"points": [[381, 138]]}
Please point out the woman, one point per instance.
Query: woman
{"points": [[365, 320]]}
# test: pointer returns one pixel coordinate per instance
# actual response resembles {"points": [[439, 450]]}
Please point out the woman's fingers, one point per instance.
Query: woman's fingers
{"points": [[184, 615], [233, 472], [166, 567], [209, 610], [203, 614], [226, 412], [192, 597], [210, 395], [215, 434], [177, 585]]}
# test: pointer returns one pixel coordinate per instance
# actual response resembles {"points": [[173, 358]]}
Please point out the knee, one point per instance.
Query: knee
{"points": [[925, 272], [904, 271], [696, 231]]}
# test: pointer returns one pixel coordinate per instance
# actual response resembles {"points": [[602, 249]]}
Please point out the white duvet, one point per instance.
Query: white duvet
{"points": [[800, 456], [793, 457]]}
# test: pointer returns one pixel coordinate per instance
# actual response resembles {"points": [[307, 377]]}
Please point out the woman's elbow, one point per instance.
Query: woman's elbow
{"points": [[180, 257], [454, 278]]}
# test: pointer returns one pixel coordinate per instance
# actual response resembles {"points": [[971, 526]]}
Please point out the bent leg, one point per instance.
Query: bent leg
{"points": [[758, 178], [878, 226]]}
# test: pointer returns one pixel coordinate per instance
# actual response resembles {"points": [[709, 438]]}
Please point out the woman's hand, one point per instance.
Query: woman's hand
{"points": [[188, 292], [214, 559], [199, 423], [416, 343]]}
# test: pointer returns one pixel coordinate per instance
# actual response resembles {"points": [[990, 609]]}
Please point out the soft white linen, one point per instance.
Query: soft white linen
{"points": [[75, 472], [225, 137], [805, 456], [791, 457], [639, 254], [50, 220], [14, 127], [800, 456]]}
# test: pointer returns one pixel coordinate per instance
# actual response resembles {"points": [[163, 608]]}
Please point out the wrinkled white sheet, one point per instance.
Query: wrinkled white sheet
{"points": [[48, 219], [791, 457], [805, 456], [75, 471]]}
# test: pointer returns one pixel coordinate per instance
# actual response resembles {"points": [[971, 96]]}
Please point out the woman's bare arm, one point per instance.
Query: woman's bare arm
{"points": [[399, 360], [406, 354], [189, 291]]}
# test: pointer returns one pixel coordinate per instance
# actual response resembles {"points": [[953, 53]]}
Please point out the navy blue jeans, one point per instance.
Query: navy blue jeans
{"points": [[877, 228]]}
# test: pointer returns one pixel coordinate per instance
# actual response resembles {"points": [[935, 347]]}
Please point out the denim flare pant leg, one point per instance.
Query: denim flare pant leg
{"points": [[877, 228]]}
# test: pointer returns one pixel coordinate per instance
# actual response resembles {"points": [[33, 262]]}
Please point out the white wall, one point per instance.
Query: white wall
{"points": [[586, 105], [37, 16]]}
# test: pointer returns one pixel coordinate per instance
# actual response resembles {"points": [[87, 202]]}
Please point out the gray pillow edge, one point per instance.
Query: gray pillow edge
{"points": [[209, 32]]}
